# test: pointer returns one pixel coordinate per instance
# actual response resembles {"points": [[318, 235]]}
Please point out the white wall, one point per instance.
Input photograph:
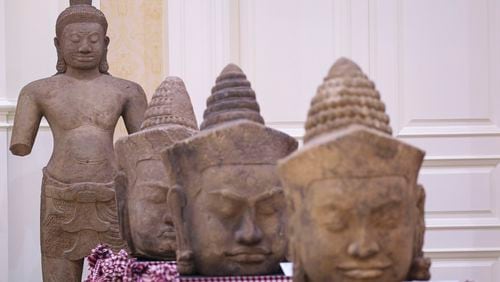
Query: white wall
{"points": [[436, 64]]}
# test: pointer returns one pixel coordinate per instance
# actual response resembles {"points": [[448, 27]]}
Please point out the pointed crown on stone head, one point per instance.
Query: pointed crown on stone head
{"points": [[80, 11], [169, 118], [170, 105], [348, 134], [232, 99], [346, 96]]}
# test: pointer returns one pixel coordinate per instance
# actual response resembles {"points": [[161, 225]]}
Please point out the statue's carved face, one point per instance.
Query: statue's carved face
{"points": [[83, 45], [359, 229], [236, 221], [150, 223]]}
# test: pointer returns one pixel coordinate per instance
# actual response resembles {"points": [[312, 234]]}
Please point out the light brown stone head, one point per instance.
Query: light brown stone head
{"points": [[227, 202], [355, 208], [143, 183], [81, 13]]}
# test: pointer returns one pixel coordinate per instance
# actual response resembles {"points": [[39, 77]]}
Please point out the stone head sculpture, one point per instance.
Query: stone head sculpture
{"points": [[145, 220], [355, 208], [81, 22], [227, 202]]}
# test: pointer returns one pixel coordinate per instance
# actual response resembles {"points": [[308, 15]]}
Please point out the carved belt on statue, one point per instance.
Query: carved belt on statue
{"points": [[77, 217]]}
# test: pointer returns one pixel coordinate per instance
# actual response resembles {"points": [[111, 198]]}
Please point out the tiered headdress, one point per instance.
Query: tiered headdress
{"points": [[232, 99], [169, 118], [346, 97]]}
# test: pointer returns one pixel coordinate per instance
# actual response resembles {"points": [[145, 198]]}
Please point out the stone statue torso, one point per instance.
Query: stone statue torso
{"points": [[82, 115]]}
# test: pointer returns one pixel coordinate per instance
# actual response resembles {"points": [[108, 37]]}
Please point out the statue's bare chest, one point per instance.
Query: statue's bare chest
{"points": [[83, 104]]}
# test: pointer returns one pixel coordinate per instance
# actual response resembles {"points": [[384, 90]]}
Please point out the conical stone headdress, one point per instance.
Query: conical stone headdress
{"points": [[232, 99], [169, 118], [346, 97], [170, 105]]}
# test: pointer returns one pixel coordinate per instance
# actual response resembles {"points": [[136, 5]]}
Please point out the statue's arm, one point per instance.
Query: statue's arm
{"points": [[134, 109], [26, 123]]}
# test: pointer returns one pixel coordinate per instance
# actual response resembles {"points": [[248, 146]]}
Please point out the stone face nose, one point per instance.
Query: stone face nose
{"points": [[232, 99], [170, 105], [363, 247], [249, 232]]}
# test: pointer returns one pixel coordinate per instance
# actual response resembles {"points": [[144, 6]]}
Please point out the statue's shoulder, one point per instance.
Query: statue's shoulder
{"points": [[127, 87], [121, 83], [40, 86]]}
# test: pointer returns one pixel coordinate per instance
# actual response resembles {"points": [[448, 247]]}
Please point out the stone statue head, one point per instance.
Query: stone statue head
{"points": [[355, 208], [143, 184], [227, 201], [81, 40]]}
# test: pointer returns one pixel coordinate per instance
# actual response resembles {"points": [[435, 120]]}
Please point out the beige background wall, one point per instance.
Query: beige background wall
{"points": [[137, 48]]}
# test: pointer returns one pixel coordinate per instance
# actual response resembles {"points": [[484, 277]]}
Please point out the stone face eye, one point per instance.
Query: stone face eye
{"points": [[267, 208], [154, 194], [335, 221], [94, 38], [224, 207], [75, 38], [271, 205], [387, 216]]}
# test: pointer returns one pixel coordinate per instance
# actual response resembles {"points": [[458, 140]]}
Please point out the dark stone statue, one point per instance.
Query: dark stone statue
{"points": [[356, 212], [226, 199], [142, 190], [82, 104]]}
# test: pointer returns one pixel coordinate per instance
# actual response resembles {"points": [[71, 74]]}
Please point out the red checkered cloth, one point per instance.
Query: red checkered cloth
{"points": [[104, 265]]}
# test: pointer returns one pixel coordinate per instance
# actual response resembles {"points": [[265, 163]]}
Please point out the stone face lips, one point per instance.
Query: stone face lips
{"points": [[232, 99], [346, 97], [170, 105]]}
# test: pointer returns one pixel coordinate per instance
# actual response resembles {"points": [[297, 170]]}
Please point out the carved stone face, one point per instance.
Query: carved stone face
{"points": [[236, 221], [356, 229], [83, 45], [150, 224]]}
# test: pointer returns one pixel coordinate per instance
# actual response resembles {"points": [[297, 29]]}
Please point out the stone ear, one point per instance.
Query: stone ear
{"points": [[176, 201], [103, 65], [420, 267], [61, 64], [121, 183], [299, 275]]}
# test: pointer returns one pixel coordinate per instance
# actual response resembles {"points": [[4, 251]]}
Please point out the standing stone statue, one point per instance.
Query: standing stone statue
{"points": [[82, 104], [145, 219], [226, 199], [356, 212]]}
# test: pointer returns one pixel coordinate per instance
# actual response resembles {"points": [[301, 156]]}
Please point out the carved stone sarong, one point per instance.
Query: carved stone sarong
{"points": [[76, 217]]}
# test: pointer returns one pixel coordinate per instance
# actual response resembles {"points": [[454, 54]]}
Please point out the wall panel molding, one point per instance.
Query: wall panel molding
{"points": [[199, 45]]}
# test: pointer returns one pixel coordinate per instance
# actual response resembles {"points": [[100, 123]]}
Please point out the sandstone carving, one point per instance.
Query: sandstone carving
{"points": [[142, 190], [82, 104], [356, 212], [226, 199]]}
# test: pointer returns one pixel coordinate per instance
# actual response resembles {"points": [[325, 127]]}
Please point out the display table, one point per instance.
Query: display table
{"points": [[105, 265]]}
